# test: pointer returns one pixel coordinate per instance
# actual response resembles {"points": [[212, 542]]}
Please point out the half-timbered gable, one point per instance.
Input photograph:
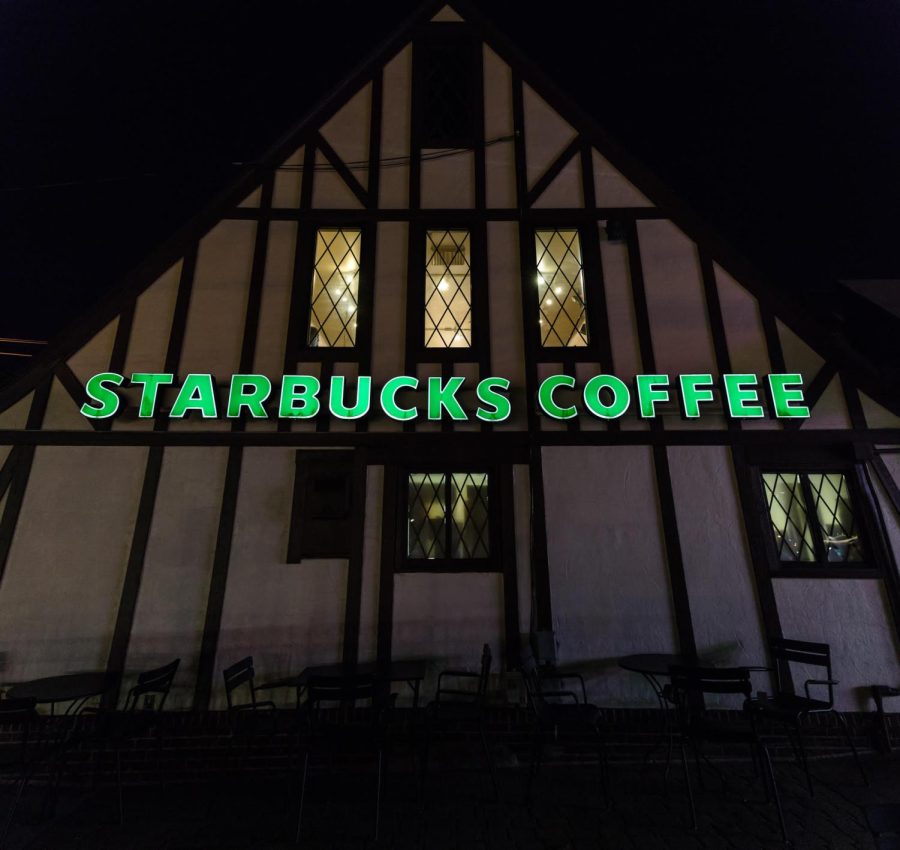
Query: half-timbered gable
{"points": [[447, 214]]}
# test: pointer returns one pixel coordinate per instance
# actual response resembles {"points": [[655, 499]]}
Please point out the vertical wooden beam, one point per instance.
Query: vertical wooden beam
{"points": [[224, 537], [390, 548], [762, 579], [304, 248], [674, 559], [134, 569], [355, 562], [216, 597], [510, 572]]}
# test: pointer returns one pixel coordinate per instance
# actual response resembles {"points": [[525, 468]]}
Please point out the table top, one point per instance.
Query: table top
{"points": [[651, 663], [397, 671], [70, 686]]}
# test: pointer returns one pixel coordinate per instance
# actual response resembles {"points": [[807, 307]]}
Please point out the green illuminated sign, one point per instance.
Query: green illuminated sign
{"points": [[741, 396]]}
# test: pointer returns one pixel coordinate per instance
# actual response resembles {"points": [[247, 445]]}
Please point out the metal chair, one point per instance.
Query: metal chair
{"points": [[19, 750], [455, 708], [109, 729], [790, 709], [558, 712], [335, 723], [246, 719], [880, 693], [696, 726]]}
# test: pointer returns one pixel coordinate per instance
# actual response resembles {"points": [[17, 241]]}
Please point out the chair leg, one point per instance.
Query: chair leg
{"points": [[119, 790], [12, 809], [604, 773], [537, 747], [690, 790], [770, 771], [803, 761], [302, 795], [843, 721], [490, 762], [378, 794]]}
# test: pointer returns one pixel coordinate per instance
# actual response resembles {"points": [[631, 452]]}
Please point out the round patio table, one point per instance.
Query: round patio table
{"points": [[74, 688], [654, 666]]}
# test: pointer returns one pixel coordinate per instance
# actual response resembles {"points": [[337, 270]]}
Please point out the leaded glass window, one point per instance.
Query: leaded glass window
{"points": [[335, 288], [448, 289], [560, 285], [448, 516], [812, 516]]}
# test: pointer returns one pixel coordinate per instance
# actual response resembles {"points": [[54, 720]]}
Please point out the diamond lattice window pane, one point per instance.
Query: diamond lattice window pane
{"points": [[427, 513], [469, 536], [448, 289], [837, 522], [787, 511], [335, 289], [560, 283]]}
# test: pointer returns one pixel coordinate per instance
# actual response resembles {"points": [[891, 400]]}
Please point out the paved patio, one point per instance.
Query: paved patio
{"points": [[461, 814]]}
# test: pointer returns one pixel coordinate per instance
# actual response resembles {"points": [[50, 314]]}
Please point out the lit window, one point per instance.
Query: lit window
{"points": [[448, 516], [560, 287], [448, 289], [813, 519], [335, 288]]}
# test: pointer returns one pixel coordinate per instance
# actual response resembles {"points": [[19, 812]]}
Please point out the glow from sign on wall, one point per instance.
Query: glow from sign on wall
{"points": [[404, 398]]}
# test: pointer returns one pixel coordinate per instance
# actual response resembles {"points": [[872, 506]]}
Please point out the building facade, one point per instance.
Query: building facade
{"points": [[446, 214]]}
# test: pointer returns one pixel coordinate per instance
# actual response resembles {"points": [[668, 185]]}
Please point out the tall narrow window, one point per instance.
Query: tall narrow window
{"points": [[448, 289], [560, 285], [448, 83], [335, 288], [813, 519], [448, 516]]}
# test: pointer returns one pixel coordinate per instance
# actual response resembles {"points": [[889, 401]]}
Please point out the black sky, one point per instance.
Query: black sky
{"points": [[778, 120]]}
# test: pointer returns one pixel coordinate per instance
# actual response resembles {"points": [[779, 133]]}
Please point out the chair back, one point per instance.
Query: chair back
{"points": [[157, 682], [785, 652], [334, 700], [238, 674], [691, 684]]}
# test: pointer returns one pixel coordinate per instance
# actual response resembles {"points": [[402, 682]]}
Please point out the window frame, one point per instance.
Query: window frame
{"points": [[305, 263], [491, 564], [415, 287], [591, 269], [869, 567]]}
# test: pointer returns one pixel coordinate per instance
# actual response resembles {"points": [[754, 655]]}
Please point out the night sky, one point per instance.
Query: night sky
{"points": [[777, 120]]}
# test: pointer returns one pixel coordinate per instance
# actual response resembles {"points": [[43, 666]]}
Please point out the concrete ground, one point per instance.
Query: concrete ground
{"points": [[460, 812]]}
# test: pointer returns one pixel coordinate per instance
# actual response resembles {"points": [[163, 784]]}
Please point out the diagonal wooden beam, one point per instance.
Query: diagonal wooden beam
{"points": [[340, 167], [813, 393], [74, 388], [552, 172], [8, 469]]}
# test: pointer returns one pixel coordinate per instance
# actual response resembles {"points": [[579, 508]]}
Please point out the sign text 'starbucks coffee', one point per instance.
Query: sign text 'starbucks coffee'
{"points": [[404, 398]]}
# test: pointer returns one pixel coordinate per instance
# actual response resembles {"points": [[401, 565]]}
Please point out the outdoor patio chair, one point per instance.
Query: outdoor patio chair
{"points": [[790, 709], [698, 726], [457, 709], [561, 712], [248, 720], [19, 750], [337, 722], [108, 730], [880, 693]]}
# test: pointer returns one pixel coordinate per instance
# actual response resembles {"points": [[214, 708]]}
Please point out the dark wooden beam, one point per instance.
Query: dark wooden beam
{"points": [[218, 581], [552, 172], [345, 173], [390, 549], [352, 612]]}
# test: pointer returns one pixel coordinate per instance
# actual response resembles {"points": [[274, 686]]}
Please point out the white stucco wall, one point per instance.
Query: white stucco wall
{"points": [[171, 603], [717, 566], [60, 590], [287, 616], [608, 578]]}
